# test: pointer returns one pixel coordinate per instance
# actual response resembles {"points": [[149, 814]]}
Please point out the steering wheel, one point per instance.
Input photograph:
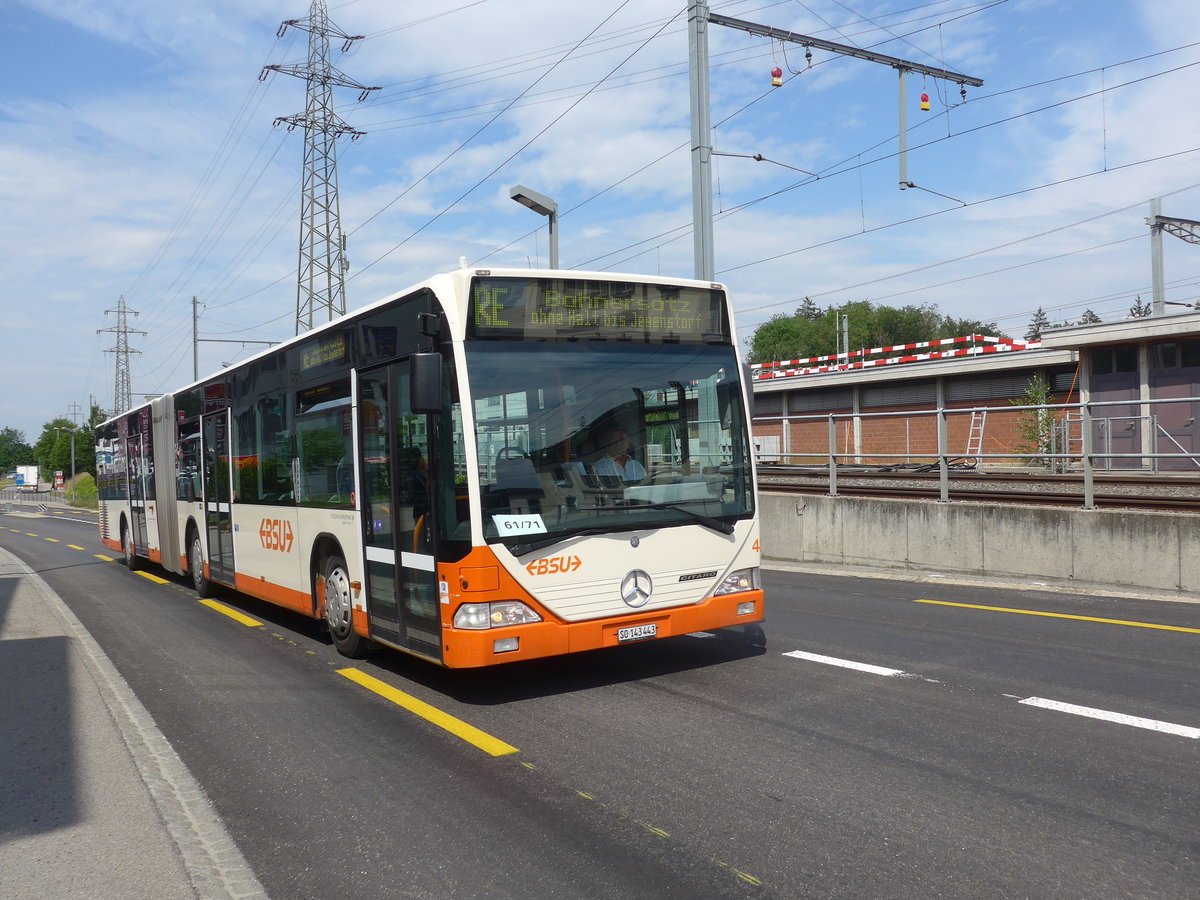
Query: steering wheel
{"points": [[503, 454]]}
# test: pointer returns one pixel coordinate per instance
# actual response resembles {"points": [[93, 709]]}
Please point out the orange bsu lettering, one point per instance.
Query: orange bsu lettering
{"points": [[276, 534], [553, 565]]}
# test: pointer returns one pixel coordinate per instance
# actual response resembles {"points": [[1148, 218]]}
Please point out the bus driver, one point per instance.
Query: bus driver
{"points": [[617, 459]]}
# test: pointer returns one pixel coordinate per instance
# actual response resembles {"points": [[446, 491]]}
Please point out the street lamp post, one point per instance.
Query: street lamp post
{"points": [[71, 431], [543, 206]]}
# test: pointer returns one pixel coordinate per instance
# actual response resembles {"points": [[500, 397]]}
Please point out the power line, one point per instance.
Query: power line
{"points": [[520, 150]]}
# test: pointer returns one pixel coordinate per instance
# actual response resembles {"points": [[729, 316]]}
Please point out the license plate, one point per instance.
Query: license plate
{"points": [[637, 633]]}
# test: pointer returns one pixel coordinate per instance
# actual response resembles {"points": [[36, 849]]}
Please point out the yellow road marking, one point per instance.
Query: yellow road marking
{"points": [[232, 613], [103, 557], [54, 540], [30, 534], [74, 546], [1050, 615], [149, 577], [457, 727]]}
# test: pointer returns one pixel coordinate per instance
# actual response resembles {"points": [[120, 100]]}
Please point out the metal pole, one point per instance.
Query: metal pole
{"points": [[943, 463], [1089, 490], [903, 154], [833, 488], [553, 225], [1159, 306], [702, 202], [72, 466], [195, 341]]}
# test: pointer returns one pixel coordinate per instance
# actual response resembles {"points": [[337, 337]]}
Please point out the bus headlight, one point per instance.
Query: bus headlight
{"points": [[741, 580], [494, 615]]}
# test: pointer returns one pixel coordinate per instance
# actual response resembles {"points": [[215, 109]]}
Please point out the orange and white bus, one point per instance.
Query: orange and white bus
{"points": [[433, 472]]}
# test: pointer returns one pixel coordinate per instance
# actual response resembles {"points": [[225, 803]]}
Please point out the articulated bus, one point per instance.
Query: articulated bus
{"points": [[432, 472]]}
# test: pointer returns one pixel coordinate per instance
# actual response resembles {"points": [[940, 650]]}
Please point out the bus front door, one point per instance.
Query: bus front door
{"points": [[402, 589], [218, 495]]}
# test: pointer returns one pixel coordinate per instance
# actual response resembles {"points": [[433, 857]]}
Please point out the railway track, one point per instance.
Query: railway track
{"points": [[1175, 492]]}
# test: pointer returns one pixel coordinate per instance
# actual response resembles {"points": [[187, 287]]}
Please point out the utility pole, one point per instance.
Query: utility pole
{"points": [[699, 18], [196, 339], [1184, 229], [321, 283], [123, 393]]}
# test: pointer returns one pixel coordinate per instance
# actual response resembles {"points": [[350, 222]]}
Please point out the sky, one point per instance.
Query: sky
{"points": [[139, 159]]}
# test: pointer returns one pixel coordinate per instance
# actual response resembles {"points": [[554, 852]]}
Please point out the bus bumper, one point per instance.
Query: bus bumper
{"points": [[465, 648]]}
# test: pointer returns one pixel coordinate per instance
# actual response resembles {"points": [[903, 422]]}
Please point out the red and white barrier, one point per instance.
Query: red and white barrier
{"points": [[842, 361]]}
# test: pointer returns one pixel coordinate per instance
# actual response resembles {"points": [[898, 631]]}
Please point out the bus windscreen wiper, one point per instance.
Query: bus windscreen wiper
{"points": [[706, 521], [529, 546]]}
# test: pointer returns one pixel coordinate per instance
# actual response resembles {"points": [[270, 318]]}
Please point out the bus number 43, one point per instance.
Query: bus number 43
{"points": [[553, 565]]}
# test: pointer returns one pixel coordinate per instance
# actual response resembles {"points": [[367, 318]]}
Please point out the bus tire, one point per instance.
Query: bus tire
{"points": [[196, 564], [128, 552], [339, 611]]}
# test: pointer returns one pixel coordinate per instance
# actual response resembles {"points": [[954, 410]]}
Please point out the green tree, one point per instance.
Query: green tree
{"points": [[810, 332], [809, 309], [1140, 309], [13, 450], [1035, 426], [52, 452], [1089, 318], [1039, 323]]}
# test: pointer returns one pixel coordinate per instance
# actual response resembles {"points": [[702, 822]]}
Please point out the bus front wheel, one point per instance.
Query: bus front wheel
{"points": [[339, 611]]}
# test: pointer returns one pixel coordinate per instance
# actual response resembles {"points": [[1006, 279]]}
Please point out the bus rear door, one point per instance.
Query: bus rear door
{"points": [[218, 495]]}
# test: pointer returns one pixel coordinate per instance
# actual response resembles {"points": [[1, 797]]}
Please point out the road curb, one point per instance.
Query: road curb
{"points": [[212, 860]]}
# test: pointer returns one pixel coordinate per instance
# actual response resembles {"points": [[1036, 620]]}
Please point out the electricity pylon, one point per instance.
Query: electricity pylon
{"points": [[123, 393], [321, 283]]}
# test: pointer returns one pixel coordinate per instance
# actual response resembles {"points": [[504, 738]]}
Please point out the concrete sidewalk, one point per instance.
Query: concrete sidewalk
{"points": [[93, 800]]}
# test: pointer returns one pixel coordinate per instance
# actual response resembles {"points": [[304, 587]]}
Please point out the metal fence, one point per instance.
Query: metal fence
{"points": [[1056, 437]]}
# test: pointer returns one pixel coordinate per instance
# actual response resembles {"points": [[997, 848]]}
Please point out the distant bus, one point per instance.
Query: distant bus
{"points": [[428, 473]]}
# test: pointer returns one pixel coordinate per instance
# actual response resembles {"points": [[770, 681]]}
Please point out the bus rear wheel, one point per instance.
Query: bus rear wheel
{"points": [[127, 549], [339, 610], [196, 565]]}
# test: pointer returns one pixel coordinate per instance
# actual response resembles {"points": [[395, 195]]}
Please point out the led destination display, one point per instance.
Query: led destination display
{"points": [[560, 309]]}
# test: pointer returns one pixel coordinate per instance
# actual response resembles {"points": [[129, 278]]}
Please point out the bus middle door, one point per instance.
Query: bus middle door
{"points": [[397, 515], [218, 496]]}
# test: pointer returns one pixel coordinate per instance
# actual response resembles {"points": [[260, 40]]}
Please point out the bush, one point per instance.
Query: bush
{"points": [[86, 495]]}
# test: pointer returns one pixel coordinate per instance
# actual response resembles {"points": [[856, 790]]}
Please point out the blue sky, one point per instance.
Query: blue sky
{"points": [[140, 160]]}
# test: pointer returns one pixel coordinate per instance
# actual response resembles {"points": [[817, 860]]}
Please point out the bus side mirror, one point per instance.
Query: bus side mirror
{"points": [[425, 384]]}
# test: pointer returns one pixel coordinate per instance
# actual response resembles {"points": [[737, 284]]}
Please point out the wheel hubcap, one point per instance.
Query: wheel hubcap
{"points": [[197, 563], [337, 601]]}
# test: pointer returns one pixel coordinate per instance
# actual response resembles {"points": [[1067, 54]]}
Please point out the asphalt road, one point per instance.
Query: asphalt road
{"points": [[882, 743]]}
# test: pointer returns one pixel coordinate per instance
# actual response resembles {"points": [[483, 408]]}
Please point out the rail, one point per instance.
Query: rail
{"points": [[1042, 433]]}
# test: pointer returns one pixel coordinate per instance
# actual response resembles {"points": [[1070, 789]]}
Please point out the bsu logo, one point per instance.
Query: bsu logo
{"points": [[276, 534]]}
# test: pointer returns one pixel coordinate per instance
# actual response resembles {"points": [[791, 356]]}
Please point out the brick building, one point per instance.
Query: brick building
{"points": [[882, 404]]}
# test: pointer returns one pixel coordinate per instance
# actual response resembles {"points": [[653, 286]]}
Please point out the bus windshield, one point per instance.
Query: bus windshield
{"points": [[607, 436]]}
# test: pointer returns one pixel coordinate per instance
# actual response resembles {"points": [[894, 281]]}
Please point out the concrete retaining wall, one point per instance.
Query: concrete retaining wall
{"points": [[1114, 549]]}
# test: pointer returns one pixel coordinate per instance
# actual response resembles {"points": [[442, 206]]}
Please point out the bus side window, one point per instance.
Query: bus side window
{"points": [[187, 462], [324, 445]]}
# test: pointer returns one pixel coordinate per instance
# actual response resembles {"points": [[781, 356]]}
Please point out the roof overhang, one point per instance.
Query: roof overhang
{"points": [[1129, 331]]}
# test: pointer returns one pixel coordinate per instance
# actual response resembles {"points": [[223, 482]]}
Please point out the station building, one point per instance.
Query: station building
{"points": [[880, 406]]}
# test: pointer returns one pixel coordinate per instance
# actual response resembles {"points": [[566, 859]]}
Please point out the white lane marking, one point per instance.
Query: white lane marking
{"points": [[846, 663], [1120, 718]]}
